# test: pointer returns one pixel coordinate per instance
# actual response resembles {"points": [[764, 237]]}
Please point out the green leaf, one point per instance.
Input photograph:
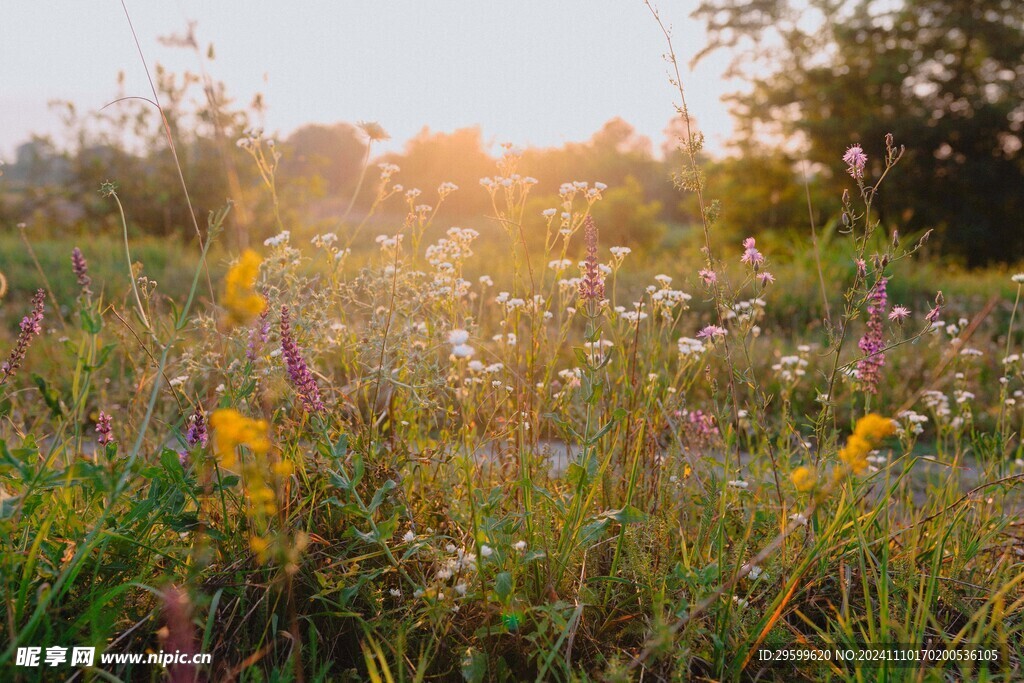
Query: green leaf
{"points": [[593, 531], [503, 586], [172, 464], [625, 515], [340, 447], [104, 355], [358, 469], [91, 323], [378, 496], [474, 666], [50, 395], [575, 474], [386, 529]]}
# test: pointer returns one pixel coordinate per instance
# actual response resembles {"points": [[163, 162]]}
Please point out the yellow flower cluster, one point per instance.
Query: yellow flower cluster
{"points": [[231, 429], [242, 302], [803, 478], [870, 430]]}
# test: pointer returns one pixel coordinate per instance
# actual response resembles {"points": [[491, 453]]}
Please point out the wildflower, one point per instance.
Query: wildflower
{"points": [[751, 256], [302, 379], [409, 536], [231, 429], [486, 551], [242, 302], [31, 326], [708, 276], [104, 430], [766, 278], [519, 545], [871, 344], [591, 286], [1018, 278], [855, 160], [899, 314], [373, 131], [738, 483], [463, 351], [868, 432], [752, 571], [711, 332], [688, 346], [196, 434], [457, 337], [258, 334], [278, 239], [803, 478], [933, 315], [81, 270]]}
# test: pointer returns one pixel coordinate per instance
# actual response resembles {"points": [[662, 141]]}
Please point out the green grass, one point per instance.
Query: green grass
{"points": [[416, 529]]}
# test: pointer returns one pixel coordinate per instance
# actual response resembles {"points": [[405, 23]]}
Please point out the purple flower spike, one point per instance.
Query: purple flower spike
{"points": [[302, 379], [31, 326], [869, 368]]}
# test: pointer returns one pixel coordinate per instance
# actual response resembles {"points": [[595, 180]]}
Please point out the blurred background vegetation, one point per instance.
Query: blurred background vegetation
{"points": [[946, 77]]}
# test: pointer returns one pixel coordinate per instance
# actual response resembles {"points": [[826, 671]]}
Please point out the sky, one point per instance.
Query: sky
{"points": [[530, 72]]}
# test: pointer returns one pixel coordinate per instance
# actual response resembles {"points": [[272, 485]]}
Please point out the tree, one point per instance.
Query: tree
{"points": [[946, 77]]}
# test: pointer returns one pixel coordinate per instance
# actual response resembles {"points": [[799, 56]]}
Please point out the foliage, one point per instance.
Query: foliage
{"points": [[946, 77]]}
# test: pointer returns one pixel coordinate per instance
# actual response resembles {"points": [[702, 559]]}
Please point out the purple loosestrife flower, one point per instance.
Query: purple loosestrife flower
{"points": [[298, 371], [31, 326], [855, 159], [104, 430], [258, 334], [592, 283], [81, 270], [871, 344], [197, 435]]}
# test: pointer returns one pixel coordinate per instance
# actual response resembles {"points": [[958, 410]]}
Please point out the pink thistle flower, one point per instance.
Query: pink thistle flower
{"points": [[711, 332], [899, 314], [933, 315], [862, 267], [31, 326], [302, 379], [766, 278], [751, 255], [709, 276], [855, 159]]}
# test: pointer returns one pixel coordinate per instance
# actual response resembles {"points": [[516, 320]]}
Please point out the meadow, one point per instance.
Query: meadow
{"points": [[397, 449]]}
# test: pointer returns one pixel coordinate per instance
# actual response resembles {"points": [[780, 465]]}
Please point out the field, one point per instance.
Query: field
{"points": [[342, 429], [583, 463]]}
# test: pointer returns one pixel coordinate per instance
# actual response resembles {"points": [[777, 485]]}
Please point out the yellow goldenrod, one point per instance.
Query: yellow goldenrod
{"points": [[231, 429], [260, 547], [803, 478], [240, 299], [867, 434]]}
